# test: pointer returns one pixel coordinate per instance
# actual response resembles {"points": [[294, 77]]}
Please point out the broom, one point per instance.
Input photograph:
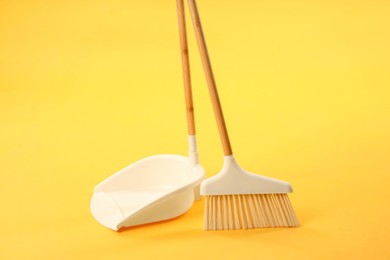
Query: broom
{"points": [[235, 198]]}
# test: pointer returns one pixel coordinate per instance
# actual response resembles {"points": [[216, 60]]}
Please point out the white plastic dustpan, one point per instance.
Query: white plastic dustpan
{"points": [[153, 189], [158, 187]]}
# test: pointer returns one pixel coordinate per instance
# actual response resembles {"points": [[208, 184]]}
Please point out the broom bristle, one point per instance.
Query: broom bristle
{"points": [[245, 211]]}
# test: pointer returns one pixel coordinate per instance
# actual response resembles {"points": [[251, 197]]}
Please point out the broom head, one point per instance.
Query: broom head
{"points": [[237, 199]]}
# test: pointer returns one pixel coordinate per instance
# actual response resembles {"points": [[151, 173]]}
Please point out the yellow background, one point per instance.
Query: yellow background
{"points": [[88, 87]]}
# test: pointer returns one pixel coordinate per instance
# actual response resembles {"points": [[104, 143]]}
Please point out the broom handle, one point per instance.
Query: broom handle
{"points": [[210, 78], [186, 67]]}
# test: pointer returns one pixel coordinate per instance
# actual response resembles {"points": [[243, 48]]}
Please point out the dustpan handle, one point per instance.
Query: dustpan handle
{"points": [[186, 68], [210, 78]]}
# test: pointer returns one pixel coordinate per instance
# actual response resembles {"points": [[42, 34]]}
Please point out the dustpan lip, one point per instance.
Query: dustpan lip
{"points": [[182, 158]]}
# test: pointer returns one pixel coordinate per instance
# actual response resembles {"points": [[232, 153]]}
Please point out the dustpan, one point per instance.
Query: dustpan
{"points": [[155, 188]]}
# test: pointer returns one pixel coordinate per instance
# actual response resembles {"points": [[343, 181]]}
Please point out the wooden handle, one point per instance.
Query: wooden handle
{"points": [[186, 67], [210, 78]]}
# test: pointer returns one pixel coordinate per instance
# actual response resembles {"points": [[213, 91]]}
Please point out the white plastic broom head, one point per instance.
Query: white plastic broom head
{"points": [[232, 179]]}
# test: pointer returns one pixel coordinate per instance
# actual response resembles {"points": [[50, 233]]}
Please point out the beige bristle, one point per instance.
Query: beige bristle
{"points": [[246, 211]]}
